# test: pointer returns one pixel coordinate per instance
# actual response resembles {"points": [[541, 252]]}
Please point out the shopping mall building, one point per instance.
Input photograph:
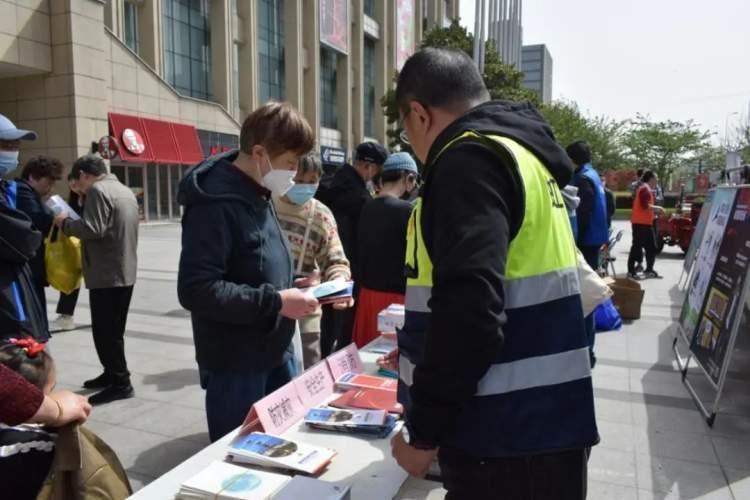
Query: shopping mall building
{"points": [[169, 81]]}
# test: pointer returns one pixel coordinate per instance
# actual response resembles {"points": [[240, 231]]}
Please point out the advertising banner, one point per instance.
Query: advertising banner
{"points": [[405, 34], [700, 229], [334, 24]]}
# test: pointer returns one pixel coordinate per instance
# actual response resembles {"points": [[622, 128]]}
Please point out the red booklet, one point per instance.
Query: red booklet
{"points": [[361, 381], [368, 399]]}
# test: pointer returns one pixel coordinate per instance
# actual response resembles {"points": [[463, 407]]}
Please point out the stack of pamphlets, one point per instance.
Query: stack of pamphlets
{"points": [[307, 488], [332, 292], [272, 451], [391, 319], [368, 399], [362, 381], [223, 481], [372, 422]]}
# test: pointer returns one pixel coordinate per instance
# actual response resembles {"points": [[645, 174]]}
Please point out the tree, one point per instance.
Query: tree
{"points": [[662, 145], [603, 134], [503, 81]]}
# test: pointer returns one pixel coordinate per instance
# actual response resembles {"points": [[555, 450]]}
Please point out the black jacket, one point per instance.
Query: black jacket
{"points": [[234, 262], [473, 206], [20, 310], [30, 203], [345, 193], [587, 195]]}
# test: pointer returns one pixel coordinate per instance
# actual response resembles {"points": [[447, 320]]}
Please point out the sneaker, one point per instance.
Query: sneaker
{"points": [[99, 382], [634, 276], [652, 275], [63, 323], [639, 268], [112, 393]]}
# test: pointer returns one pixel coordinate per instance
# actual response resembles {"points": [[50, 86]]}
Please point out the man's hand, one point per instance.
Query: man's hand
{"points": [[296, 304], [389, 361], [60, 218], [415, 462], [345, 304]]}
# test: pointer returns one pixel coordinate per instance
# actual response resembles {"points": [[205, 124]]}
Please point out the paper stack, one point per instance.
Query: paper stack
{"points": [[223, 481], [272, 451], [312, 489]]}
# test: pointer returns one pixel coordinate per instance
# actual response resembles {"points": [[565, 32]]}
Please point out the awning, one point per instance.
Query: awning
{"points": [[146, 140]]}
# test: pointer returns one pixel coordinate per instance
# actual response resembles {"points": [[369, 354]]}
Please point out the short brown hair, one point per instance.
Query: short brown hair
{"points": [[279, 127], [40, 167]]}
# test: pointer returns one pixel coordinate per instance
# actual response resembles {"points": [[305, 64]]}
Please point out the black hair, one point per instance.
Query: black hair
{"points": [[647, 176], [40, 167], [89, 164], [310, 163], [579, 152], [36, 370], [440, 78], [639, 172]]}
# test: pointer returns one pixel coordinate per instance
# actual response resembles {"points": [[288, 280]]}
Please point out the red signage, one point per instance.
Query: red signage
{"points": [[133, 141], [216, 149], [108, 147]]}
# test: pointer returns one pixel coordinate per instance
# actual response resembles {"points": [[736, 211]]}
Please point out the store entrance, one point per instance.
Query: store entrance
{"points": [[155, 188]]}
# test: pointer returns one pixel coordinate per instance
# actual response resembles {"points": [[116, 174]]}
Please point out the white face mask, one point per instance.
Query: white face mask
{"points": [[278, 181]]}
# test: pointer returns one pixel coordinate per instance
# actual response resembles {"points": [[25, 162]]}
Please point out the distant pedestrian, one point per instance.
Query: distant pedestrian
{"points": [[382, 245], [38, 178], [611, 202], [314, 242], [108, 231], [236, 275], [346, 193], [66, 304], [642, 219]]}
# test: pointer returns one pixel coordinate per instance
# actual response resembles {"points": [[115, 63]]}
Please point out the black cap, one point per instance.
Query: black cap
{"points": [[372, 152]]}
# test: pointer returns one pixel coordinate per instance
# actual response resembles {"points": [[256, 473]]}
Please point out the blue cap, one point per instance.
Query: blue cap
{"points": [[400, 161], [9, 132]]}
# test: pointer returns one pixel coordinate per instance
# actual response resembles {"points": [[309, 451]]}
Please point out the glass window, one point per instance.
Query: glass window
{"points": [[164, 184], [134, 181], [152, 191], [271, 72], [328, 115], [187, 43], [130, 21], [369, 87], [369, 6], [175, 177]]}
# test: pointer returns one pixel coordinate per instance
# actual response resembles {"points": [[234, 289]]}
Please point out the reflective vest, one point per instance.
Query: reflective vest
{"points": [[598, 231], [642, 215], [537, 395]]}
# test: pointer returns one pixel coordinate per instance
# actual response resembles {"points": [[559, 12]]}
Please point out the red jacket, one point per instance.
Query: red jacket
{"points": [[19, 400]]}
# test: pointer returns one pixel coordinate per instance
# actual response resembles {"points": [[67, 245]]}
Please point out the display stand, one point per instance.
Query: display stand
{"points": [[717, 287]]}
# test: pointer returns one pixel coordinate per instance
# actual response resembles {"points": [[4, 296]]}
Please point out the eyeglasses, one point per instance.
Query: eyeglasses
{"points": [[403, 136]]}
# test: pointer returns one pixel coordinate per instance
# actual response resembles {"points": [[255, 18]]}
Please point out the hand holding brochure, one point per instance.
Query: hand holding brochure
{"points": [[331, 292], [272, 451], [223, 481], [58, 205]]}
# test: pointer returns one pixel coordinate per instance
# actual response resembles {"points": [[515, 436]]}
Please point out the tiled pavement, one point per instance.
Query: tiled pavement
{"points": [[655, 445]]}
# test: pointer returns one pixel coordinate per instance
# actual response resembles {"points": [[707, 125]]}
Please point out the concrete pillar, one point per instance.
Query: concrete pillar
{"points": [[383, 70], [150, 39], [248, 56], [418, 22], [357, 58], [344, 96], [311, 77], [221, 52], [294, 53]]}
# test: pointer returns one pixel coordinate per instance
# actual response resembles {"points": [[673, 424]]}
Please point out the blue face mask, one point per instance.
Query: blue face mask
{"points": [[300, 194], [8, 162]]}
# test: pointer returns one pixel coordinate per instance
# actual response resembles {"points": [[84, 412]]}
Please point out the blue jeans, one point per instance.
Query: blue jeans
{"points": [[229, 396]]}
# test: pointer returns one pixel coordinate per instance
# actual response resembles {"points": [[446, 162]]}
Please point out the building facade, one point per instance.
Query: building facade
{"points": [[505, 29], [536, 64], [171, 80]]}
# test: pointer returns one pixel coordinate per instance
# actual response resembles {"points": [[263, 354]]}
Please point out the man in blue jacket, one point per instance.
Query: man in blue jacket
{"points": [[235, 274]]}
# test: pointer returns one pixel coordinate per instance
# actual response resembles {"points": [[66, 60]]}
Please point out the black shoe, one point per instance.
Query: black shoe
{"points": [[100, 382], [112, 393], [635, 276], [638, 268], [652, 275]]}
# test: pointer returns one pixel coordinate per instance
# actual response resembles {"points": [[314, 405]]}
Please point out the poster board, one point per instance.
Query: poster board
{"points": [[705, 259], [334, 24], [406, 33], [723, 302], [700, 229]]}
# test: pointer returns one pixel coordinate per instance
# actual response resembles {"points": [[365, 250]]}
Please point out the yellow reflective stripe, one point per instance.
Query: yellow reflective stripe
{"points": [[538, 371], [418, 298], [533, 290]]}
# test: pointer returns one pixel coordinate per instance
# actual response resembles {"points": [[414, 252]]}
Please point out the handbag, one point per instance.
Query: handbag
{"points": [[62, 260]]}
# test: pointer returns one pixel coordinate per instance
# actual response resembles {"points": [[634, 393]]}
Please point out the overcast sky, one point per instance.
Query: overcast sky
{"points": [[672, 59]]}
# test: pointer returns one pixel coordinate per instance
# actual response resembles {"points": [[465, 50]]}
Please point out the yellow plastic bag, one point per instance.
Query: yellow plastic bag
{"points": [[62, 258]]}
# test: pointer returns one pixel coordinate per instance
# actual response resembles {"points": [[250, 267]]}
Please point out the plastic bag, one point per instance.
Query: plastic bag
{"points": [[62, 258], [606, 317]]}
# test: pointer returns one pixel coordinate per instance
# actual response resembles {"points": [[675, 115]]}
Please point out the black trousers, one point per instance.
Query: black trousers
{"points": [[66, 305], [335, 329], [644, 240], [39, 291], [558, 476], [109, 314]]}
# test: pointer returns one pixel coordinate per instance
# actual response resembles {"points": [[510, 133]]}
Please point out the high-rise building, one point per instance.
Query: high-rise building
{"points": [[504, 22], [180, 75], [536, 64]]}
